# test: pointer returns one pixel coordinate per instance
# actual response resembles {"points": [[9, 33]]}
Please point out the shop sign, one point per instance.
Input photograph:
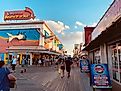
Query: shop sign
{"points": [[19, 15], [84, 65], [100, 76]]}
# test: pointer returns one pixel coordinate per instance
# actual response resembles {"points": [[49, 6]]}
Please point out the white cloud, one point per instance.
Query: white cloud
{"points": [[62, 33], [94, 24], [80, 24], [59, 26], [75, 27], [67, 27], [70, 39]]}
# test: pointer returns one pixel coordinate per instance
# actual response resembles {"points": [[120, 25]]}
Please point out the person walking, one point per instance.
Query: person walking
{"points": [[68, 63], [24, 64], [5, 77], [62, 67], [40, 62], [14, 62]]}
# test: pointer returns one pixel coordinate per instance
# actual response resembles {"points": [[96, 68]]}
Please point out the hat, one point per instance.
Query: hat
{"points": [[83, 54]]}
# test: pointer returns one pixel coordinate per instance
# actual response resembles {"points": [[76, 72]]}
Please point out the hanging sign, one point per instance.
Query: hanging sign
{"points": [[19, 15], [100, 76]]}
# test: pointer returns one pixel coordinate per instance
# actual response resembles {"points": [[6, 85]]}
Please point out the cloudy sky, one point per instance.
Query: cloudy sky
{"points": [[66, 18]]}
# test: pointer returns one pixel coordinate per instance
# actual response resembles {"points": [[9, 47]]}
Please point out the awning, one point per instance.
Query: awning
{"points": [[31, 49], [26, 48], [111, 33]]}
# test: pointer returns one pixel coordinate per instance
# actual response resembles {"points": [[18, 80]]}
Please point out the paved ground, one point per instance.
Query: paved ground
{"points": [[48, 79]]}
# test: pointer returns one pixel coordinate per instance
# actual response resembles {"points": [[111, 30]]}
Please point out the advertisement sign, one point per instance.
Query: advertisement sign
{"points": [[84, 65], [19, 15], [100, 76]]}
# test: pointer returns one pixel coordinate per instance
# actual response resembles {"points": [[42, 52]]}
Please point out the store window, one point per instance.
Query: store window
{"points": [[119, 54], [116, 62], [97, 57]]}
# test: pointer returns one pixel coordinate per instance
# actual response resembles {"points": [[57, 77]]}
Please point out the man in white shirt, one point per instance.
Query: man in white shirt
{"points": [[14, 63]]}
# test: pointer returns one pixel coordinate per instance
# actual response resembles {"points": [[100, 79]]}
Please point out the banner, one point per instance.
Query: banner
{"points": [[84, 65], [100, 76]]}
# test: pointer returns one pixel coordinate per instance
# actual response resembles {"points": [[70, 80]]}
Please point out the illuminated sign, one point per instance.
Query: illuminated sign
{"points": [[19, 15]]}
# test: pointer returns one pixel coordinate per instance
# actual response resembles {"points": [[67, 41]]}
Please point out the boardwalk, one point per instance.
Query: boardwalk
{"points": [[48, 79], [77, 82]]}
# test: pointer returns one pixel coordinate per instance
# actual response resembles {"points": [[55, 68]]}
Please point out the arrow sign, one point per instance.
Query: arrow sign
{"points": [[19, 15]]}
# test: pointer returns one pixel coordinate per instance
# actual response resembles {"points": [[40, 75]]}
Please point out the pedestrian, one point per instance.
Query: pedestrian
{"points": [[56, 62], [68, 64], [24, 64], [40, 61], [5, 77], [36, 61], [62, 67], [14, 61]]}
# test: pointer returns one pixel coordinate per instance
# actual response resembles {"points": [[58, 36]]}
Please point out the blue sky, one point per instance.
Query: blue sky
{"points": [[70, 15]]}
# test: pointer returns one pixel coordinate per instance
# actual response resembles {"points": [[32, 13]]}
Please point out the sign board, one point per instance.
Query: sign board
{"points": [[84, 65], [19, 15], [100, 76]]}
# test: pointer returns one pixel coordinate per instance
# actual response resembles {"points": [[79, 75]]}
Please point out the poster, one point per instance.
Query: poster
{"points": [[84, 65], [100, 76]]}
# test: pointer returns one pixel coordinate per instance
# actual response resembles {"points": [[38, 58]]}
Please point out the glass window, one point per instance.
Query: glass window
{"points": [[116, 62], [119, 54], [97, 57]]}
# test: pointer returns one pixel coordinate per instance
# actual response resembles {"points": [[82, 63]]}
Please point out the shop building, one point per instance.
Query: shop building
{"points": [[105, 44], [30, 39]]}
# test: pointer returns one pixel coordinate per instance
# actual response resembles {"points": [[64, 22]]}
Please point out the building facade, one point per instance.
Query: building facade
{"points": [[28, 39], [105, 46]]}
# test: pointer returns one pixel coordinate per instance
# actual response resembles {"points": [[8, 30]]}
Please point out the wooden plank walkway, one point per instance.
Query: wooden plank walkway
{"points": [[48, 79], [77, 82]]}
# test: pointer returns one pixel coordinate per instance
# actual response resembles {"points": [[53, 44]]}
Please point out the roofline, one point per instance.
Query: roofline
{"points": [[22, 23], [30, 22], [52, 32], [105, 13]]}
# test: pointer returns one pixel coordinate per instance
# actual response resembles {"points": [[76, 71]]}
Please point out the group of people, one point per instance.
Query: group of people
{"points": [[45, 60], [14, 62], [64, 64], [68, 62]]}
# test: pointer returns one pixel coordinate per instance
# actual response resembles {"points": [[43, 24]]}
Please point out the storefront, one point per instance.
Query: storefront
{"points": [[105, 46], [27, 39]]}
